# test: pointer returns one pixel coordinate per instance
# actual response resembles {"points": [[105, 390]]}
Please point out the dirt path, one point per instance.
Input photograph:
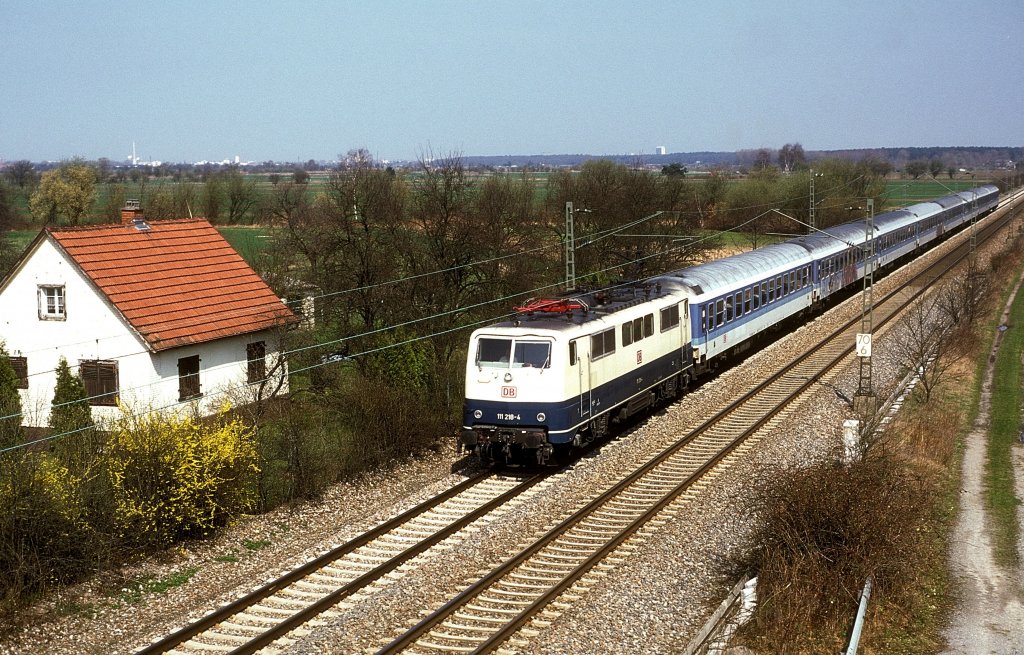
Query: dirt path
{"points": [[990, 616]]}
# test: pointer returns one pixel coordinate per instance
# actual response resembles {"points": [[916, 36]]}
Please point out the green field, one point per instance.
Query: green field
{"points": [[906, 192], [250, 242]]}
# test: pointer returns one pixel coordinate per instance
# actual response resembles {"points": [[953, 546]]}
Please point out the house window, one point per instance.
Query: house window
{"points": [[256, 359], [20, 366], [100, 379], [188, 378], [51, 303]]}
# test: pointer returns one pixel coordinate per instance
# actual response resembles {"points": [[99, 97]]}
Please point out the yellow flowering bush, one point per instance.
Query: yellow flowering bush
{"points": [[174, 477], [45, 537]]}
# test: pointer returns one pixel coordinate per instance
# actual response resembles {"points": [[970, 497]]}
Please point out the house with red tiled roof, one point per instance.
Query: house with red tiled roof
{"points": [[151, 315]]}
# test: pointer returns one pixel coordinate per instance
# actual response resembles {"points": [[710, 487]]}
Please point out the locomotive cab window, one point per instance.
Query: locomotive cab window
{"points": [[572, 353], [532, 354], [493, 353]]}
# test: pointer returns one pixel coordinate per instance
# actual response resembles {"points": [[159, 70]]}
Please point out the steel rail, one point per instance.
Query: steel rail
{"points": [[928, 275], [211, 619]]}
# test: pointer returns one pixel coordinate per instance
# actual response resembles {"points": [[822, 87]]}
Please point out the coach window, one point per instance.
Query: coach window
{"points": [[649, 323], [771, 290], [755, 300], [764, 294], [703, 318], [785, 285], [728, 309], [627, 333], [739, 304], [720, 312]]}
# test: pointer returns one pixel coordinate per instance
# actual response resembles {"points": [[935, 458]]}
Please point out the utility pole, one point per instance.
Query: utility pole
{"points": [[570, 250], [864, 400], [813, 225]]}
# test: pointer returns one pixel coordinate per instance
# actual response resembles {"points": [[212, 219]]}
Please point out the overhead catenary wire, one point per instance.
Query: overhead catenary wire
{"points": [[283, 353], [688, 245]]}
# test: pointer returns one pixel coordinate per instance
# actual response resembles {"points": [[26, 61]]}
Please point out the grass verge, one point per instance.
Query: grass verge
{"points": [[1006, 400]]}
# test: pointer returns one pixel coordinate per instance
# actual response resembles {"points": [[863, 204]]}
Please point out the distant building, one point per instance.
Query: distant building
{"points": [[660, 150]]}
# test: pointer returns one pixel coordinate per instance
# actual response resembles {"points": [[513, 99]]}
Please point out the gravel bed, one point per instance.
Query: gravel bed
{"points": [[277, 541], [686, 567]]}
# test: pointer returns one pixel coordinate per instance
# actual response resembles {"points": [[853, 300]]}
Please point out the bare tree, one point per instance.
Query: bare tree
{"points": [[924, 346]]}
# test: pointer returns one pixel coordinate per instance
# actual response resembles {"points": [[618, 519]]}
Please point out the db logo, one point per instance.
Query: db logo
{"points": [[639, 357], [508, 392]]}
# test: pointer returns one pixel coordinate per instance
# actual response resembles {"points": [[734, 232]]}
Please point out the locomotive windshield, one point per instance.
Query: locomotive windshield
{"points": [[494, 353], [497, 353], [532, 354]]}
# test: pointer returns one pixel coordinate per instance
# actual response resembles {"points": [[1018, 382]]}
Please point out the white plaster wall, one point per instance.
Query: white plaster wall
{"points": [[93, 330]]}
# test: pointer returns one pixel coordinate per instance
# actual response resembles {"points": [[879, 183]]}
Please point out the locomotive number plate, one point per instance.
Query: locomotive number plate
{"points": [[508, 392]]}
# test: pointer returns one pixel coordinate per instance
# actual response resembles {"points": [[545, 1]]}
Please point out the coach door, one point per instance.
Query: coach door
{"points": [[579, 365]]}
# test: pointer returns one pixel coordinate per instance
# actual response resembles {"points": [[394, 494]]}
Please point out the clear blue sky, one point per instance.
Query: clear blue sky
{"points": [[294, 80]]}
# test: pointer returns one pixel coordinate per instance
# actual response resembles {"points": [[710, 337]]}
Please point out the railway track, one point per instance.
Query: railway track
{"points": [[532, 585], [522, 595], [263, 618]]}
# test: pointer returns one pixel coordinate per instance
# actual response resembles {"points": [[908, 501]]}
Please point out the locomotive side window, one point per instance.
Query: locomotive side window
{"points": [[609, 341], [532, 354], [638, 329], [627, 333], [670, 318], [649, 323], [602, 343], [493, 353]]}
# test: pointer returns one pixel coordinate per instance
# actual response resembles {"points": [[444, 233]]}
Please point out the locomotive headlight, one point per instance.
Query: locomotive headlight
{"points": [[478, 414], [541, 417]]}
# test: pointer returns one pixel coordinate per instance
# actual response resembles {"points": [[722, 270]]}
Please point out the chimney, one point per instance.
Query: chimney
{"points": [[131, 211]]}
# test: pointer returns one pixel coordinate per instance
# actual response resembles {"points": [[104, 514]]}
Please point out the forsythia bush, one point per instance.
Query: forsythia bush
{"points": [[44, 534], [175, 477]]}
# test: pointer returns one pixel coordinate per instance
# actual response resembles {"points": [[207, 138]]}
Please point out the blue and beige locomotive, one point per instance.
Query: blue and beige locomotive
{"points": [[555, 376]]}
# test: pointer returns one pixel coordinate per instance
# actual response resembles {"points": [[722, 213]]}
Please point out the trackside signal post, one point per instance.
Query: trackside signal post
{"points": [[864, 401]]}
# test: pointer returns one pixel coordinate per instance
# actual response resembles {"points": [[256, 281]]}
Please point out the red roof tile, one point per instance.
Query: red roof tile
{"points": [[178, 283]]}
